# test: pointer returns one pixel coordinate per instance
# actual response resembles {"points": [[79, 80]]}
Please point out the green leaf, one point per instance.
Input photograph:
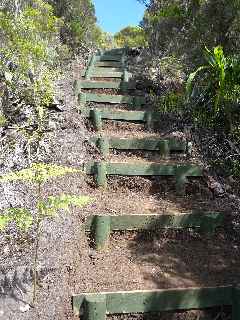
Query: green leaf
{"points": [[38, 173], [64, 201], [189, 84], [21, 216]]}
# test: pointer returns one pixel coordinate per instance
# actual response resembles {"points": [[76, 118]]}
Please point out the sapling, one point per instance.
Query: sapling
{"points": [[38, 174]]}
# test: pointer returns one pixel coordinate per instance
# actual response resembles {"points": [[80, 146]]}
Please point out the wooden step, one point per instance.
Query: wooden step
{"points": [[111, 64], [95, 306], [120, 114], [149, 169], [104, 74], [101, 226], [113, 99], [164, 146], [180, 171], [98, 115], [109, 57], [87, 84], [107, 69], [115, 51]]}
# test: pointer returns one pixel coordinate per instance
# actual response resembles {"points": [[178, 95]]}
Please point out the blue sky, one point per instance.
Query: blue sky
{"points": [[113, 15]]}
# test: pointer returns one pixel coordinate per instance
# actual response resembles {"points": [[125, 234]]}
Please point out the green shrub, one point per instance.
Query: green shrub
{"points": [[130, 37], [171, 101], [214, 87], [29, 43], [46, 208]]}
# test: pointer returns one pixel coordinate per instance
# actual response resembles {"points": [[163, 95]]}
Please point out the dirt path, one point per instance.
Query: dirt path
{"points": [[134, 260], [169, 259]]}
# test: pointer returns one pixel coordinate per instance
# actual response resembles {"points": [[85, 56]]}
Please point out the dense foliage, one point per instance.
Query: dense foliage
{"points": [[79, 22], [214, 88], [184, 27], [28, 51], [201, 35], [34, 37], [131, 37]]}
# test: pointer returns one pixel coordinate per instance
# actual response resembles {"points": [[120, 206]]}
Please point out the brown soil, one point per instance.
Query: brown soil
{"points": [[146, 195], [125, 129]]}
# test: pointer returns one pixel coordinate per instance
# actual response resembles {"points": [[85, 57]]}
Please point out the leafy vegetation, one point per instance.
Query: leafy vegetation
{"points": [[130, 37], [39, 174], [183, 27], [80, 22], [214, 87], [28, 52]]}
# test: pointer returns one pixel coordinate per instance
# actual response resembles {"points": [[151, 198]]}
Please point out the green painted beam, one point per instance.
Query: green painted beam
{"points": [[97, 85], [95, 308], [153, 169], [208, 221], [123, 115], [117, 51], [143, 144], [158, 300], [101, 226], [111, 64], [89, 69], [107, 98], [107, 69], [108, 57], [78, 85], [118, 114], [104, 74]]}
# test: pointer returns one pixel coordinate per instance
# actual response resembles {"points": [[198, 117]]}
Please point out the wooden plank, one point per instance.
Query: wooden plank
{"points": [[106, 69], [102, 85], [130, 169], [104, 74], [117, 114], [88, 71], [143, 144], [95, 308], [153, 169], [159, 300], [158, 221], [122, 114], [108, 57], [99, 84], [118, 51], [112, 64], [102, 98]]}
